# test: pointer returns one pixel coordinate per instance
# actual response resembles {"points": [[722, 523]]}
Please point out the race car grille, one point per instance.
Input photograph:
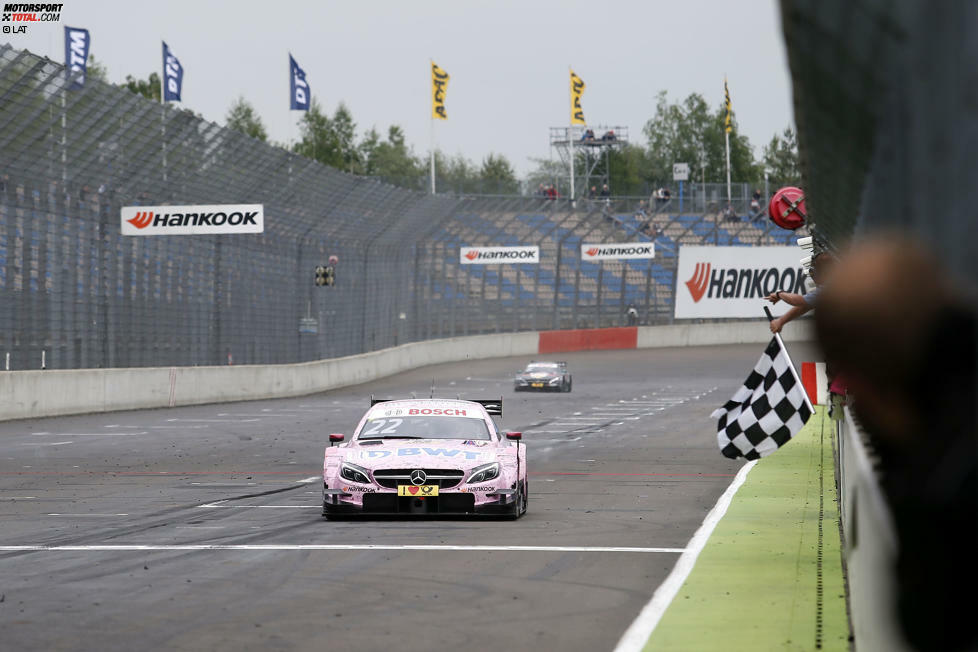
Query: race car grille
{"points": [[444, 478]]}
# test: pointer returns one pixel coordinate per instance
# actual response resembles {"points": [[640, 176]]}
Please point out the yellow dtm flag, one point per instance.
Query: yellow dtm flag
{"points": [[726, 94], [439, 84], [577, 89]]}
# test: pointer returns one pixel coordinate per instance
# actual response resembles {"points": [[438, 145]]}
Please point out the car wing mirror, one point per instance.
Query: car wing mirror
{"points": [[336, 438], [514, 436]]}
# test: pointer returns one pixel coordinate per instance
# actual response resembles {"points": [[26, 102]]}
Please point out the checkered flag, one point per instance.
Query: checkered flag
{"points": [[767, 411]]}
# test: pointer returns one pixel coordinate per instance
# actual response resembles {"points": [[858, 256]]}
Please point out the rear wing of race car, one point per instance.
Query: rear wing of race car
{"points": [[493, 406]]}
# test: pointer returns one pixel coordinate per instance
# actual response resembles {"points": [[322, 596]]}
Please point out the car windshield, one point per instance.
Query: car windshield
{"points": [[542, 367], [424, 427]]}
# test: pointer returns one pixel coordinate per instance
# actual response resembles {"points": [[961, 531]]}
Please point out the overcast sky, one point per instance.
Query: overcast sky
{"points": [[508, 61]]}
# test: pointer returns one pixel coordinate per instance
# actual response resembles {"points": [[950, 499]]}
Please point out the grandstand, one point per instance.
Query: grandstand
{"points": [[563, 291]]}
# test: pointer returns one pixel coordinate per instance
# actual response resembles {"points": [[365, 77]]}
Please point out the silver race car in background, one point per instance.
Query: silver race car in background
{"points": [[544, 376]]}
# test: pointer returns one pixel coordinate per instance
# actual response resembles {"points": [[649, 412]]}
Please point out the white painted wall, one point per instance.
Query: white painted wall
{"points": [[29, 394]]}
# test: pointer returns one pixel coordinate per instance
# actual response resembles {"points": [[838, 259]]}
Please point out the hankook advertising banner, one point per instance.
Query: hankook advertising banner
{"points": [[617, 251], [733, 281], [498, 255], [193, 220]]}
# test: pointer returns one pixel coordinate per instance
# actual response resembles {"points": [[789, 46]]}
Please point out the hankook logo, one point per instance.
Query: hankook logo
{"points": [[617, 251], [142, 219], [193, 219], [499, 255], [697, 284]]}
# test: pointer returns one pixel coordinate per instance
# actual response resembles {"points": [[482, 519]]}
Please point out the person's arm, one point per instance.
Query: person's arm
{"points": [[794, 313], [790, 298]]}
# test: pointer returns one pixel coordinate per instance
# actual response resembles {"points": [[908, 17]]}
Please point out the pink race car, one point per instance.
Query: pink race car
{"points": [[427, 457]]}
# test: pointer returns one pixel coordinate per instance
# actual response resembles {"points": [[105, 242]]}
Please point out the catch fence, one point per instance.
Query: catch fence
{"points": [[76, 293]]}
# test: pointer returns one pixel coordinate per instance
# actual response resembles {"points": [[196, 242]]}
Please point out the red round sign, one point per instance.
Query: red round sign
{"points": [[787, 208]]}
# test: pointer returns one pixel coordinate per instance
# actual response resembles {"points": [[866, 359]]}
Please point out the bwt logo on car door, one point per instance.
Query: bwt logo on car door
{"points": [[733, 281], [193, 220]]}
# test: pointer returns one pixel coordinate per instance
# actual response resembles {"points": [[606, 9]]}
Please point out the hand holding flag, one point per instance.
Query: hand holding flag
{"points": [[767, 411]]}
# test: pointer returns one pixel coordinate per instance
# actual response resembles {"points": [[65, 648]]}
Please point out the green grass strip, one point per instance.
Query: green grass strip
{"points": [[770, 576]]}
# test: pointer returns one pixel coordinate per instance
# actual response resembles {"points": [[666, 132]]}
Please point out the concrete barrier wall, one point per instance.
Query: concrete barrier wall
{"points": [[30, 394]]}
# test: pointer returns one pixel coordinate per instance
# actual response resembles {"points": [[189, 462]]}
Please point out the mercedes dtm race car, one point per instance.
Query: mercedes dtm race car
{"points": [[428, 457], [543, 376]]}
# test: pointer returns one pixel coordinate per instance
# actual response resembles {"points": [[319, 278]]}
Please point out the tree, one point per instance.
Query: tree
{"points": [[243, 117], [629, 171], [148, 88], [95, 69], [497, 176], [781, 159], [391, 160], [331, 141], [688, 132]]}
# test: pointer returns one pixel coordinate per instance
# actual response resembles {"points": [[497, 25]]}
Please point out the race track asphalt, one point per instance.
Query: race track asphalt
{"points": [[627, 460]]}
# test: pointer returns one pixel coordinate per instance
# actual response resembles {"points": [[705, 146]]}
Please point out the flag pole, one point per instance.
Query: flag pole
{"points": [[791, 365], [163, 112], [431, 147], [727, 134], [726, 129], [570, 134]]}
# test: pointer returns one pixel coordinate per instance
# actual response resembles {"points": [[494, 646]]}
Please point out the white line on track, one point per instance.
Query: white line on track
{"points": [[213, 505], [277, 547], [88, 434], [311, 478], [637, 635], [46, 443], [213, 420], [87, 515], [262, 415]]}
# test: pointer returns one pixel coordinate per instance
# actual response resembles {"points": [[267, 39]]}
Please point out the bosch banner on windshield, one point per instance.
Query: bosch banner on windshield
{"points": [[193, 220], [617, 251], [733, 281], [499, 255]]}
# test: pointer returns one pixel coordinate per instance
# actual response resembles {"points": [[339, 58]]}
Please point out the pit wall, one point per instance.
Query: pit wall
{"points": [[31, 394]]}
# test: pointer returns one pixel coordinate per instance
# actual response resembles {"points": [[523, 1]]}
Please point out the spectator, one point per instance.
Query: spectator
{"points": [[801, 304], [541, 191], [592, 193], [640, 211], [894, 324], [552, 192], [608, 136], [729, 215], [666, 196], [605, 192], [755, 202], [631, 314]]}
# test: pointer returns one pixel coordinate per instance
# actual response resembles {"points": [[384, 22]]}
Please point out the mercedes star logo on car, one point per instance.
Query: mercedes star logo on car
{"points": [[418, 476]]}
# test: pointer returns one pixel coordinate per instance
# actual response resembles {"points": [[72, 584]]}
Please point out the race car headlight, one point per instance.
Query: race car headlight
{"points": [[555, 381], [484, 473], [354, 473]]}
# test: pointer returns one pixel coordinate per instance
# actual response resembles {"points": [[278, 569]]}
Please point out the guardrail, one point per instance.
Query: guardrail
{"points": [[32, 394]]}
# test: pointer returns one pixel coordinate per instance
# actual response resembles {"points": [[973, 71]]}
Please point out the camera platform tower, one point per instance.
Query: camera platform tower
{"points": [[585, 154]]}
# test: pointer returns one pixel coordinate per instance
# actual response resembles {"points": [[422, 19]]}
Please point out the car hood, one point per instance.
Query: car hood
{"points": [[422, 453], [538, 375]]}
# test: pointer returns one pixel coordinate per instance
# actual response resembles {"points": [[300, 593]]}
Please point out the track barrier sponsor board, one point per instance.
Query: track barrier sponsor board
{"points": [[617, 251], [718, 282], [498, 255], [588, 340], [193, 219]]}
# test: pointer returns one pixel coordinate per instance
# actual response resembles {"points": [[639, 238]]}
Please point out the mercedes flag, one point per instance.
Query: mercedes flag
{"points": [[768, 410]]}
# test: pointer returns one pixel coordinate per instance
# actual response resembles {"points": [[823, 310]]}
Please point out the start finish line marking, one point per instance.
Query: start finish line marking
{"points": [[282, 547]]}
